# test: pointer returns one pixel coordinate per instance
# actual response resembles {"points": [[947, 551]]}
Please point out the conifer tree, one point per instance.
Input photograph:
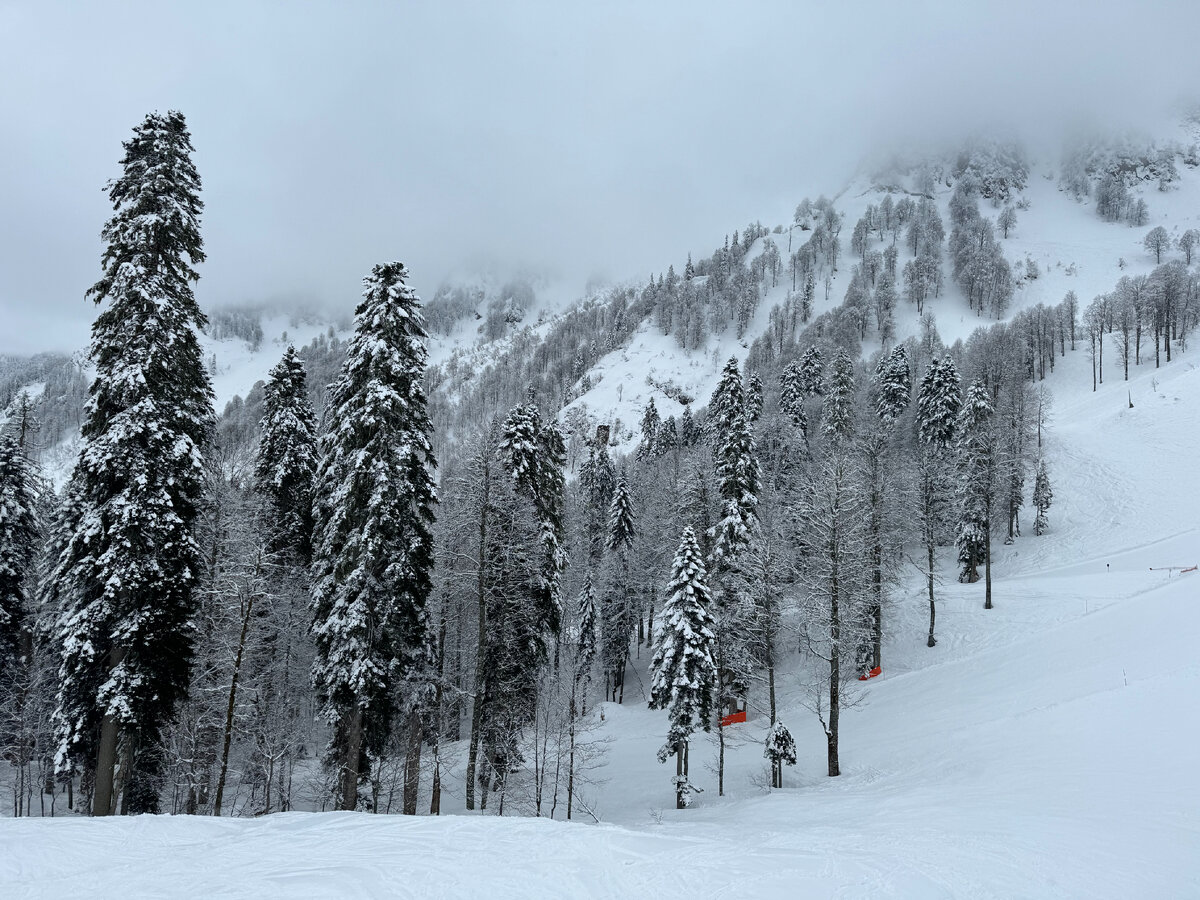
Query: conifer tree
{"points": [[812, 372], [19, 534], [535, 454], [598, 480], [689, 432], [727, 401], [894, 380], [938, 403], [754, 397], [126, 576], [740, 479], [589, 629], [620, 518], [619, 608], [1043, 497], [373, 546], [837, 409], [287, 458], [683, 668], [648, 447], [668, 437], [977, 465], [792, 395], [780, 750]]}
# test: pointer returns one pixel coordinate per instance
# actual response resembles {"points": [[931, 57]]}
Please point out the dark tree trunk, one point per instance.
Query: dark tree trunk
{"points": [[831, 732], [103, 801], [231, 705], [412, 763], [480, 651], [352, 724], [680, 774], [987, 562]]}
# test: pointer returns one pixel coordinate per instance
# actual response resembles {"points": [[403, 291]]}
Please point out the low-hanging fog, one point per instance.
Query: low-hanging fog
{"points": [[605, 140]]}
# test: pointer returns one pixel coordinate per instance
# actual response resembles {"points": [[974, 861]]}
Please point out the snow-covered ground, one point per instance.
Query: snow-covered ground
{"points": [[1044, 748]]}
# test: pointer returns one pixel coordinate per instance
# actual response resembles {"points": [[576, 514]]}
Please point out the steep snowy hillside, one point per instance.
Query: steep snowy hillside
{"points": [[1072, 247], [1043, 748]]}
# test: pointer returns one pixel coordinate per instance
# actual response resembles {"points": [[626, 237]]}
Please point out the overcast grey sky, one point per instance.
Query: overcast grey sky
{"points": [[607, 138]]}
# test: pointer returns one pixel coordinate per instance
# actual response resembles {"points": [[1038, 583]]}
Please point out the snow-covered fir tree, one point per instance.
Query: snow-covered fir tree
{"points": [[780, 749], [689, 431], [893, 378], [535, 454], [650, 425], [727, 401], [754, 397], [373, 548], [792, 395], [977, 484], [598, 479], [621, 518], [739, 474], [683, 670], [837, 408], [619, 605], [939, 400], [19, 535], [1043, 497], [812, 372], [589, 633], [287, 458], [127, 574]]}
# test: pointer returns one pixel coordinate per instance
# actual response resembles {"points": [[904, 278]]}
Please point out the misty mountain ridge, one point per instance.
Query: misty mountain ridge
{"points": [[599, 355]]}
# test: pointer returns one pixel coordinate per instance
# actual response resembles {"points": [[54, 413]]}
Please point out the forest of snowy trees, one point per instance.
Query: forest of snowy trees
{"points": [[371, 570]]}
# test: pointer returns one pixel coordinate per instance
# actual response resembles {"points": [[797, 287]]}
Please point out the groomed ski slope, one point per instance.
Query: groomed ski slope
{"points": [[1046, 748]]}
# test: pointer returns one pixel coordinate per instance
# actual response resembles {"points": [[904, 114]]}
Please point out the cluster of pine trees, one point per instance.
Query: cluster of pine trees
{"points": [[184, 588]]}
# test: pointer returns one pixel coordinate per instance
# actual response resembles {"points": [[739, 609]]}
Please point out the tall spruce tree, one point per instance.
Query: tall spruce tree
{"points": [[893, 379], [129, 563], [373, 547], [648, 448], [977, 486], [754, 396], [535, 454], [619, 609], [939, 400], [589, 630], [1043, 497], [837, 409], [740, 477], [598, 479], [812, 369], [19, 533], [792, 396], [737, 469], [728, 400], [287, 459], [683, 668]]}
